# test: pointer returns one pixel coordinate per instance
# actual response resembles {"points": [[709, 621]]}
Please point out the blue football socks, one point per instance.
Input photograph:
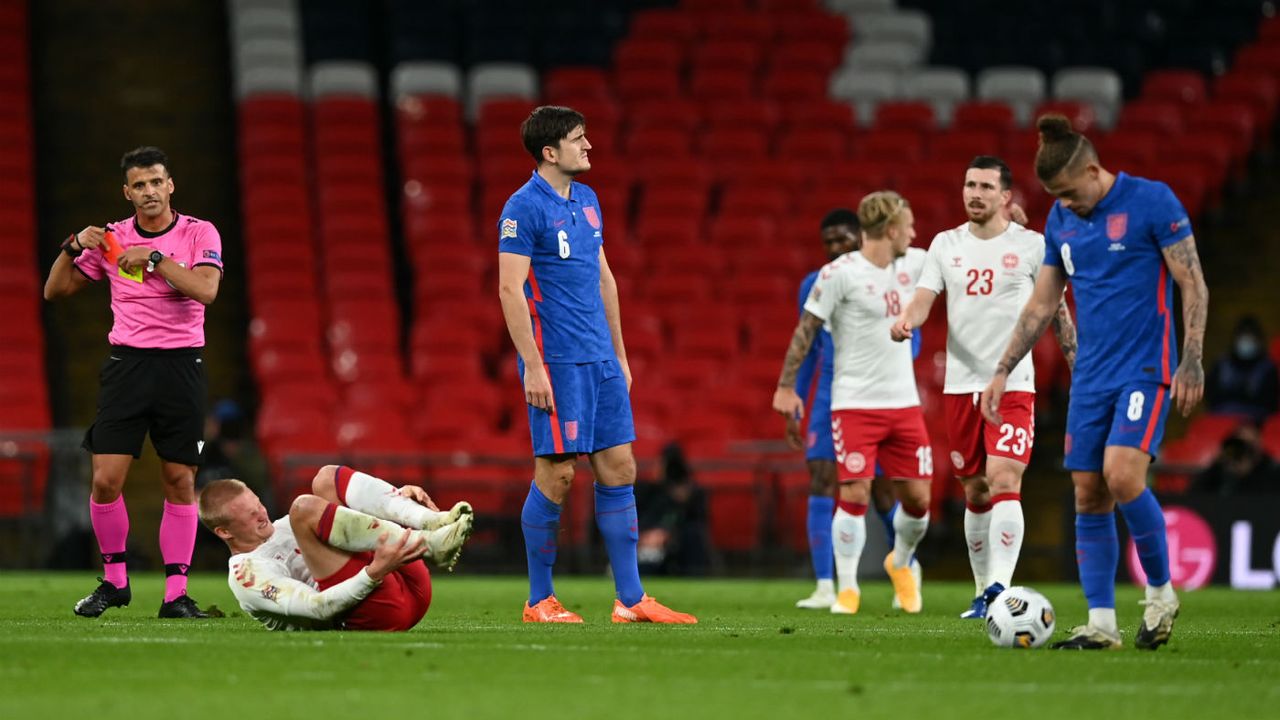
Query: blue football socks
{"points": [[1097, 556], [540, 521], [616, 518], [1146, 524], [818, 524]]}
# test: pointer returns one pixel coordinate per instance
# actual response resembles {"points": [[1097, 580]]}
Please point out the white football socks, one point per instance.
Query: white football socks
{"points": [[380, 498], [1005, 541], [908, 532], [848, 537], [977, 526]]}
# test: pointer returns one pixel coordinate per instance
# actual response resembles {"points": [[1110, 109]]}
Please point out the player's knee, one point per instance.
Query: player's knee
{"points": [[323, 484], [305, 507], [1005, 481], [977, 491], [856, 492], [178, 476], [108, 483], [1093, 499], [623, 471]]}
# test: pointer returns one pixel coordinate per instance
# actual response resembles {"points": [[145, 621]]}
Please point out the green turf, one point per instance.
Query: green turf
{"points": [[752, 656]]}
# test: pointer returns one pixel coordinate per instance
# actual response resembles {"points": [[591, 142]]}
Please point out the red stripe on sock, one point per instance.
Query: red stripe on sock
{"points": [[916, 512], [979, 509], [852, 508], [341, 479], [325, 526], [1002, 497]]}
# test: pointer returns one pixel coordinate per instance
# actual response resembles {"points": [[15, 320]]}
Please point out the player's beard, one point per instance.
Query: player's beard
{"points": [[980, 216]]}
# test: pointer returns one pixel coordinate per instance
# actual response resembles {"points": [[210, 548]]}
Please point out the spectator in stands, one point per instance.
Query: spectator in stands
{"points": [[227, 452], [1242, 468], [673, 519], [1244, 382]]}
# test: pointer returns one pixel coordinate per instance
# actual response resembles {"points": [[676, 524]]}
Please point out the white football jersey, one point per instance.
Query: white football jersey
{"points": [[273, 584], [859, 302], [987, 282]]}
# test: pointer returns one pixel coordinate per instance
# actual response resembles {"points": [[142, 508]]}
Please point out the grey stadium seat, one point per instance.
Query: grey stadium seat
{"points": [[426, 78], [883, 56], [343, 77], [943, 87], [1021, 87], [268, 23], [269, 80], [262, 52], [500, 80], [865, 89], [1100, 87], [858, 7], [906, 26]]}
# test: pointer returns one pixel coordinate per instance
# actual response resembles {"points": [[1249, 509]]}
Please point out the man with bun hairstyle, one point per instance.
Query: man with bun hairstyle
{"points": [[1122, 242], [875, 407]]}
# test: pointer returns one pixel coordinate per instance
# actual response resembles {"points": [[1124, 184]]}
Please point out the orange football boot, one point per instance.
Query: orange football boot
{"points": [[549, 611], [650, 610], [904, 585]]}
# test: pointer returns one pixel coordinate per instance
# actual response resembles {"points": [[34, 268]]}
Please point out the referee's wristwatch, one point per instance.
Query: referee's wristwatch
{"points": [[153, 260]]}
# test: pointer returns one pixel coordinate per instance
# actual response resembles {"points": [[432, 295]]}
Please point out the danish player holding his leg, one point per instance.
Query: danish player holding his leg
{"points": [[987, 267], [345, 557], [1122, 242], [875, 406], [164, 268], [560, 302]]}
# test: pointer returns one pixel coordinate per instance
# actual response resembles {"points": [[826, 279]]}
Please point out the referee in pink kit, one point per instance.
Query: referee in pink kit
{"points": [[163, 268]]}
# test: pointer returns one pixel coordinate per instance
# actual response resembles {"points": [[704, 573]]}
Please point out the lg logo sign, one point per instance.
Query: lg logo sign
{"points": [[1243, 576]]}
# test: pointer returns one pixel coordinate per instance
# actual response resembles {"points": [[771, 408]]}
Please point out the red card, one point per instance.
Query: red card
{"points": [[112, 249]]}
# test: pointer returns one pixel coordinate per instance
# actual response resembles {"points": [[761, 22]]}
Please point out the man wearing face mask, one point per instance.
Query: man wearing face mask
{"points": [[1244, 382], [1241, 468]]}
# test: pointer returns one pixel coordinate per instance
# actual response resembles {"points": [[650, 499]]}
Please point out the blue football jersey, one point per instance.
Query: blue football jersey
{"points": [[562, 239], [1123, 289]]}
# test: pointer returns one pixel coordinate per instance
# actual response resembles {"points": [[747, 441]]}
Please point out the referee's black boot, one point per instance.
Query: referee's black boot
{"points": [[105, 596], [182, 607]]}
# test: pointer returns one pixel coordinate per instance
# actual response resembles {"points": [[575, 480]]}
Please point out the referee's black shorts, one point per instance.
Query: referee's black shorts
{"points": [[161, 392]]}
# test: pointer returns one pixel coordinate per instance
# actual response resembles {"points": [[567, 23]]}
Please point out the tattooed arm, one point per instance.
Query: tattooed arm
{"points": [[1065, 329], [1184, 265], [1045, 302], [785, 400]]}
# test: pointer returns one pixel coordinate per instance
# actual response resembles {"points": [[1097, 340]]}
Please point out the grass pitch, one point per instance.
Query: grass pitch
{"points": [[752, 656]]}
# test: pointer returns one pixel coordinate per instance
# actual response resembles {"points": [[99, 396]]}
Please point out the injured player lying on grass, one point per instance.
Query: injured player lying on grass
{"points": [[348, 556]]}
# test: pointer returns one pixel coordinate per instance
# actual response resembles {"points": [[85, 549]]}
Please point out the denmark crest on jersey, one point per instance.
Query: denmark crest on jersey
{"points": [[1010, 261], [593, 217], [1117, 225]]}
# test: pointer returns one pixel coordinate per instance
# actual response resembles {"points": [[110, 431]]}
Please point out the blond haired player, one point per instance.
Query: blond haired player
{"points": [[987, 267], [346, 556], [874, 404]]}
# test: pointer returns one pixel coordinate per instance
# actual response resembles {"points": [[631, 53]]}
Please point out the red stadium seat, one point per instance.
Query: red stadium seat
{"points": [[823, 114], [1185, 87], [727, 54], [1165, 117], [752, 199], [646, 84], [905, 115], [983, 115], [1261, 91], [897, 147], [794, 86], [805, 56], [576, 83], [658, 140], [745, 24], [733, 144], [665, 24], [1130, 150], [960, 146], [649, 53], [760, 115], [1080, 114], [724, 85], [667, 112], [734, 511], [813, 144], [819, 28]]}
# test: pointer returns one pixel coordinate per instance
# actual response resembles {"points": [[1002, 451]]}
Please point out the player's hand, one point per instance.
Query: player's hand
{"points": [[1188, 385], [391, 555], [418, 495], [91, 237], [537, 388], [1014, 212], [991, 396], [787, 403], [900, 331], [795, 436], [134, 258]]}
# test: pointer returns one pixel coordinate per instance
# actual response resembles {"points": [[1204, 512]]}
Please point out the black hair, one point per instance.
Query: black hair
{"points": [[991, 162], [548, 125], [840, 216], [144, 157]]}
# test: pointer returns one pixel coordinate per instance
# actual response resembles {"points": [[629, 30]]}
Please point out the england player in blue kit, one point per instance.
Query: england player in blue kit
{"points": [[1122, 242], [840, 235], [560, 302]]}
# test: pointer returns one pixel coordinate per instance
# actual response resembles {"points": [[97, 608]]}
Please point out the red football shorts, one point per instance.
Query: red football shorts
{"points": [[397, 604], [895, 439], [973, 438]]}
